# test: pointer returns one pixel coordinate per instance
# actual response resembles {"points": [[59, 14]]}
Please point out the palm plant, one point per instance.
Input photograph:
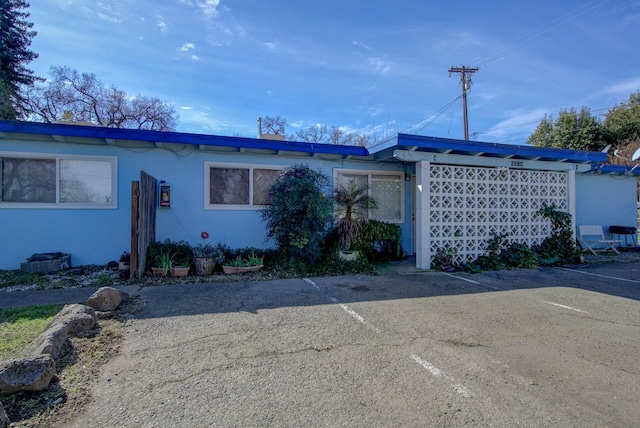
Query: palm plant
{"points": [[352, 204]]}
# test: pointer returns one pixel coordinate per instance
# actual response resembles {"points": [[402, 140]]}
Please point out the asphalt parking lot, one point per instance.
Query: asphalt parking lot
{"points": [[550, 347]]}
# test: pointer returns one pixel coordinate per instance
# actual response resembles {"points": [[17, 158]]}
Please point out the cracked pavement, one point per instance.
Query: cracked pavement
{"points": [[548, 347]]}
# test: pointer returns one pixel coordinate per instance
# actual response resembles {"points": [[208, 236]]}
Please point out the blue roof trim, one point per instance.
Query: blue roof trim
{"points": [[463, 147], [80, 131]]}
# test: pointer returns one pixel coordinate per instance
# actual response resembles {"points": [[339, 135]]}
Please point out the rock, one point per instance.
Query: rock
{"points": [[49, 342], [106, 299], [4, 419], [71, 319], [76, 318], [26, 374]]}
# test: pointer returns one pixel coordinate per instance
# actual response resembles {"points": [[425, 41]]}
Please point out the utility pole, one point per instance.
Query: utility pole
{"points": [[465, 80]]}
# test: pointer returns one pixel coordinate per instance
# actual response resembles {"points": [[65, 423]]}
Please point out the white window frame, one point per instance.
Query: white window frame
{"points": [[369, 174], [251, 167], [113, 160]]}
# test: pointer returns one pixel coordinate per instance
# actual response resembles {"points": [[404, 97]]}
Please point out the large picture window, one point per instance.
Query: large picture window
{"points": [[238, 186], [385, 187], [46, 181]]}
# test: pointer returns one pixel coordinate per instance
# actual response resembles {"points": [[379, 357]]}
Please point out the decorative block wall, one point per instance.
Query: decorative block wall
{"points": [[469, 205]]}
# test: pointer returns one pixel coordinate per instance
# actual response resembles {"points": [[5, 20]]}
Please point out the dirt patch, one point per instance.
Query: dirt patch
{"points": [[69, 392]]}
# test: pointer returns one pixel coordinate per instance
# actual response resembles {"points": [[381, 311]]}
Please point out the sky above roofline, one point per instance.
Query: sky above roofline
{"points": [[367, 67]]}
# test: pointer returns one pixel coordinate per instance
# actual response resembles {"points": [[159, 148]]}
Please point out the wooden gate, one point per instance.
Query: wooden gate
{"points": [[143, 220]]}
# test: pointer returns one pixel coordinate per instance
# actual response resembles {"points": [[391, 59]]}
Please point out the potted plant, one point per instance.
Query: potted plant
{"points": [[165, 264], [206, 256], [125, 261], [352, 203], [240, 265], [182, 269]]}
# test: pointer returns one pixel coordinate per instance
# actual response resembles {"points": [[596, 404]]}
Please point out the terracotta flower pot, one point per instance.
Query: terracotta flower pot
{"points": [[158, 271], [180, 271], [232, 269]]}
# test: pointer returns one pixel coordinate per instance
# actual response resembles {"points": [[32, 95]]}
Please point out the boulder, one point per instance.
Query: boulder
{"points": [[49, 342], [4, 419], [71, 319], [26, 374], [106, 299]]}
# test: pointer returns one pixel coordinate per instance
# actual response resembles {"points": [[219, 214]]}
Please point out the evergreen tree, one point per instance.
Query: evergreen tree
{"points": [[571, 130], [623, 121], [15, 39]]}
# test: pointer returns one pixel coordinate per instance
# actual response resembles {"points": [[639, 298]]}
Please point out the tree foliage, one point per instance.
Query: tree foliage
{"points": [[300, 214], [323, 134], [571, 130], [623, 121], [15, 39], [89, 100]]}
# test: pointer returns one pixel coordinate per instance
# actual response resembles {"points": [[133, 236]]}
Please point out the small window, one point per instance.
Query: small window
{"points": [[387, 190], [44, 181], [231, 186]]}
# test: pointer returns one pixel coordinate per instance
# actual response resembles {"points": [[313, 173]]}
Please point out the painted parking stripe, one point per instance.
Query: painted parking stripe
{"points": [[436, 372], [564, 306], [464, 279], [355, 315], [601, 276], [312, 283]]}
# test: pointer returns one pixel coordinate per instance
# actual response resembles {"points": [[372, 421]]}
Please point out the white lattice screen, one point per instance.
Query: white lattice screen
{"points": [[468, 205]]}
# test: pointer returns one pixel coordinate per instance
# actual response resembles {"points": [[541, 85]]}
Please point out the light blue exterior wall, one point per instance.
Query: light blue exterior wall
{"points": [[606, 200], [96, 236]]}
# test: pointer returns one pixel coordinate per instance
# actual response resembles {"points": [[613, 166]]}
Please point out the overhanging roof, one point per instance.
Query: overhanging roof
{"points": [[116, 136], [429, 145]]}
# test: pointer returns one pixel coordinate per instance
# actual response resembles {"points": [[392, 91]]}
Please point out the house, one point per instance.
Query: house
{"points": [[68, 188]]}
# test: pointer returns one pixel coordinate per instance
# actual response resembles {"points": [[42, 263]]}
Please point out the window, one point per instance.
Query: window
{"points": [[385, 187], [235, 186], [46, 181]]}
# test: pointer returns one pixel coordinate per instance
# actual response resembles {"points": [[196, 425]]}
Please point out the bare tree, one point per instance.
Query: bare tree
{"points": [[89, 100], [313, 134], [274, 125]]}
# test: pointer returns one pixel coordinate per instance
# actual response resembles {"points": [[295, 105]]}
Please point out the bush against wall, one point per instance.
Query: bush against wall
{"points": [[300, 213]]}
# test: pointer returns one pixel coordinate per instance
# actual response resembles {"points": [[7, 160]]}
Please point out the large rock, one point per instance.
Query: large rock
{"points": [[4, 419], [71, 319], [26, 374], [106, 299]]}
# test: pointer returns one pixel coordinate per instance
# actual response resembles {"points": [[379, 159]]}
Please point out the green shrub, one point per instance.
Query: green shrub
{"points": [[300, 213], [379, 241], [560, 248]]}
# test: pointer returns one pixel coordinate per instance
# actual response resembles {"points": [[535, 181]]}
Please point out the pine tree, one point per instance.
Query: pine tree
{"points": [[15, 39]]}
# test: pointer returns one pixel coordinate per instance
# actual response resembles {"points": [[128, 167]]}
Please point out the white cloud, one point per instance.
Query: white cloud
{"points": [[520, 124], [362, 45], [195, 57], [380, 65], [623, 88], [186, 47], [161, 23], [186, 108], [270, 45], [108, 18], [209, 7]]}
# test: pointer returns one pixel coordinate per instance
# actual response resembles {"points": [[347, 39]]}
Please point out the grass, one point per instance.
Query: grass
{"points": [[19, 326]]}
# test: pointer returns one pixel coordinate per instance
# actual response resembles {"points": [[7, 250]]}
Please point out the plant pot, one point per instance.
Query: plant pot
{"points": [[233, 269], [180, 271], [158, 271], [204, 265], [348, 256]]}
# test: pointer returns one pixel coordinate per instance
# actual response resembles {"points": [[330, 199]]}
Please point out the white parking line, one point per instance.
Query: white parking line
{"points": [[464, 279], [312, 283], [601, 276], [460, 389], [355, 315], [564, 306]]}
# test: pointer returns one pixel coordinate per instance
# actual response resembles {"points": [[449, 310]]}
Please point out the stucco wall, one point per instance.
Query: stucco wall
{"points": [[96, 236], [606, 200]]}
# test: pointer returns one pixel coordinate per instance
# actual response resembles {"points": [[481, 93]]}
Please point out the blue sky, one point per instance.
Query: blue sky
{"points": [[368, 66]]}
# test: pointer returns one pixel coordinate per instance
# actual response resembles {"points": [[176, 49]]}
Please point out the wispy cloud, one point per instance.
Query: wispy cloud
{"points": [[161, 23], [186, 47], [195, 57], [380, 65], [623, 88], [186, 108], [270, 45], [520, 124], [362, 45]]}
